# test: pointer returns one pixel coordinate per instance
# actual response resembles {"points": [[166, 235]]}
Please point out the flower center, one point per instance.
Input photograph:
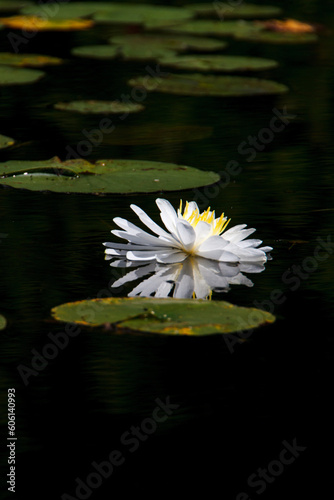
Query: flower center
{"points": [[194, 217]]}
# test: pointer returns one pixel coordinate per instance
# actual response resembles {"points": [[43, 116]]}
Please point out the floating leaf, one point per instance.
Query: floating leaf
{"points": [[211, 27], [23, 60], [5, 141], [3, 322], [288, 25], [36, 23], [142, 14], [18, 76], [99, 107], [260, 34], [12, 5], [218, 63], [231, 11], [104, 176], [172, 42], [96, 51], [210, 85], [164, 316]]}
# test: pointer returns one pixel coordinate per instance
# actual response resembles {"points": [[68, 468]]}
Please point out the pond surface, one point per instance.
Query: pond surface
{"points": [[232, 407]]}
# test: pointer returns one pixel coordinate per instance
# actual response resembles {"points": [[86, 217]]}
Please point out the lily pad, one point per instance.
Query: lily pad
{"points": [[30, 60], [103, 176], [12, 5], [3, 322], [259, 34], [6, 142], [99, 107], [210, 85], [36, 23], [171, 42], [142, 14], [19, 76], [230, 11], [163, 316], [96, 51], [218, 63], [211, 27]]}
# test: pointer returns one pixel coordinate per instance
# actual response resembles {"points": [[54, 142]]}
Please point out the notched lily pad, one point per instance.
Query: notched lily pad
{"points": [[99, 107], [19, 76], [6, 142], [218, 63], [103, 176], [210, 85], [36, 23], [28, 60], [3, 322], [234, 11], [163, 316]]}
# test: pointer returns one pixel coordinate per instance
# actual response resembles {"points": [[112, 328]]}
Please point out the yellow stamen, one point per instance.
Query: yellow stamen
{"points": [[218, 225]]}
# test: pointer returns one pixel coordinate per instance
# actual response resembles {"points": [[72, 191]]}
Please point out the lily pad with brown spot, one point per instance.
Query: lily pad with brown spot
{"points": [[103, 176], [163, 316], [260, 34], [28, 60], [218, 63], [210, 85], [99, 107]]}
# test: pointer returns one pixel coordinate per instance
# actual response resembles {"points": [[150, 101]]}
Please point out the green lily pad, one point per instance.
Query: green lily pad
{"points": [[230, 11], [23, 60], [210, 27], [6, 142], [259, 34], [12, 5], [19, 76], [3, 322], [210, 85], [218, 63], [163, 316], [96, 51], [142, 14], [99, 107], [103, 176], [171, 42], [64, 10]]}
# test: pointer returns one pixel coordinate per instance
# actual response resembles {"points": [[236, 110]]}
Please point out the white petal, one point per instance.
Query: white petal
{"points": [[171, 257], [186, 234], [167, 214], [203, 231], [237, 236], [150, 223]]}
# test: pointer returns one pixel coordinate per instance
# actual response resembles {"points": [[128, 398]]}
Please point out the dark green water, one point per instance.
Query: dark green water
{"points": [[235, 406]]}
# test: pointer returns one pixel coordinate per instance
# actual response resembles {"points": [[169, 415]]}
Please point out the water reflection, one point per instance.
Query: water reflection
{"points": [[194, 277]]}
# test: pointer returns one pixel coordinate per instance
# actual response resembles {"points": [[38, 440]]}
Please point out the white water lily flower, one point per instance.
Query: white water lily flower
{"points": [[188, 232]]}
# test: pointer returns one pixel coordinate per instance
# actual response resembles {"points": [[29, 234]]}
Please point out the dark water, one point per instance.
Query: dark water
{"points": [[235, 407]]}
